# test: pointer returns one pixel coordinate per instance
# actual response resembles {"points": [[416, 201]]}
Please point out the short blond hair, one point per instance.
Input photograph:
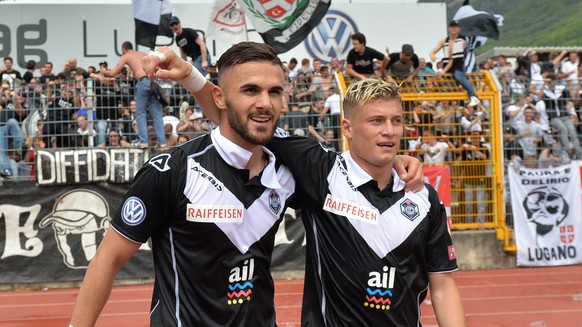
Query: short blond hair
{"points": [[366, 91]]}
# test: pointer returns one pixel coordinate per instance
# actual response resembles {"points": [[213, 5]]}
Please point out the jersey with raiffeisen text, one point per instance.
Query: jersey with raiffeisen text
{"points": [[369, 251], [212, 231]]}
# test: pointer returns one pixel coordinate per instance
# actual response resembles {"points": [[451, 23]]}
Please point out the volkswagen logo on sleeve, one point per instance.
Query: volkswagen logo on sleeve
{"points": [[133, 211], [331, 37]]}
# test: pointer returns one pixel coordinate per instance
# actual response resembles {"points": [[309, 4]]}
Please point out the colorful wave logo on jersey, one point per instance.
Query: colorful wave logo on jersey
{"points": [[378, 299], [239, 293]]}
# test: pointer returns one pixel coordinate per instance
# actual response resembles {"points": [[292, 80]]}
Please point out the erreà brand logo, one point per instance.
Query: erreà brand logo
{"points": [[240, 283], [379, 293]]}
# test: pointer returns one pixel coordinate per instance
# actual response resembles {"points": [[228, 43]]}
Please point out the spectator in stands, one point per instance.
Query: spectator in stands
{"points": [[35, 97], [316, 66], [570, 70], [537, 70], [84, 132], [305, 64], [529, 134], [360, 61], [475, 153], [300, 87], [562, 115], [519, 84], [191, 45], [171, 138], [57, 127], [47, 73], [320, 84], [511, 149], [292, 67], [115, 140], [29, 159], [423, 114], [471, 119], [30, 69], [182, 139], [144, 95], [503, 68], [124, 87], [424, 70], [10, 118], [331, 113], [172, 120], [330, 141], [434, 151], [444, 117], [295, 121], [71, 69], [453, 47], [314, 124], [190, 124], [9, 74], [515, 111], [335, 66], [403, 65]]}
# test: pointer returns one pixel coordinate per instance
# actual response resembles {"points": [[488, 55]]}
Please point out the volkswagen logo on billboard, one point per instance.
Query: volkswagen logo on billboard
{"points": [[331, 37]]}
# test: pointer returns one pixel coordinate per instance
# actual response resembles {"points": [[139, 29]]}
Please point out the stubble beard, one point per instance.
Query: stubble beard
{"points": [[259, 136]]}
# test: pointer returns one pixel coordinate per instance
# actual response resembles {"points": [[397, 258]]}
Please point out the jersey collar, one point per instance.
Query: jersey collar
{"points": [[359, 176], [238, 158]]}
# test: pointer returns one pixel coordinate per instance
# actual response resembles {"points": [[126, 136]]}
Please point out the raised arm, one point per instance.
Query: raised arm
{"points": [[166, 64], [434, 51]]}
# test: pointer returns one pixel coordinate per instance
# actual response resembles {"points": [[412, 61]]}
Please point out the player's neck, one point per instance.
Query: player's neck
{"points": [[257, 163]]}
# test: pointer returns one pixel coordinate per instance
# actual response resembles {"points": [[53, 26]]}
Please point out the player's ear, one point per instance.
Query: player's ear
{"points": [[219, 100], [347, 128]]}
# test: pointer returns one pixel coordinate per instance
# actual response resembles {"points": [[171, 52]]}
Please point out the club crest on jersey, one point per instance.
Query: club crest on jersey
{"points": [[240, 283], [409, 209], [379, 291], [160, 162], [274, 201]]}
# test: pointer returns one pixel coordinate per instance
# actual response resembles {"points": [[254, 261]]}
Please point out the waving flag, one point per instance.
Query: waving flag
{"points": [[284, 23], [227, 22], [152, 18], [476, 26]]}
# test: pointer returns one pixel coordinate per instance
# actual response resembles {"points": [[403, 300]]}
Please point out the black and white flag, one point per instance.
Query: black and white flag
{"points": [[152, 18], [284, 23]]}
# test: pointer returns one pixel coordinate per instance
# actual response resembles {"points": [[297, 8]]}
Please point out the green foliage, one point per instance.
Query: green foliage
{"points": [[530, 23]]}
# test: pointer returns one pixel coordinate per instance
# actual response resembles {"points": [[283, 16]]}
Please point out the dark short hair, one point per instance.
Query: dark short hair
{"points": [[127, 45], [359, 37], [244, 52], [407, 49], [31, 64]]}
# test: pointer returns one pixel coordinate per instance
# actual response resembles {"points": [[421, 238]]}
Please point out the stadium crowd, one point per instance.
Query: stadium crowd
{"points": [[83, 107]]}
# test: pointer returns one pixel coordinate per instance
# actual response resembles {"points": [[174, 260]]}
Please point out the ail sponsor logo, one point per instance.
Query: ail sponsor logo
{"points": [[214, 213]]}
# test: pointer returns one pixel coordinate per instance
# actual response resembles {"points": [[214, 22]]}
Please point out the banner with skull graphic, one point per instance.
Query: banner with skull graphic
{"points": [[547, 210]]}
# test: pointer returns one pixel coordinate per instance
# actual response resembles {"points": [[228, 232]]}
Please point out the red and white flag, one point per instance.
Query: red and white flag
{"points": [[227, 22]]}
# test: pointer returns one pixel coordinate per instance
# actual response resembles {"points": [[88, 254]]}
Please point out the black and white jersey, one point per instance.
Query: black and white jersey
{"points": [[369, 251], [212, 232]]}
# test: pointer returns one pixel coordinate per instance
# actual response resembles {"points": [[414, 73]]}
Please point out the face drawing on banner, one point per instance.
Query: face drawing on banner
{"points": [[547, 209], [76, 218]]}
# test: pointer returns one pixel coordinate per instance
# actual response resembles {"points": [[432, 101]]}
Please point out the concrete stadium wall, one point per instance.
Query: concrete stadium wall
{"points": [[480, 249]]}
